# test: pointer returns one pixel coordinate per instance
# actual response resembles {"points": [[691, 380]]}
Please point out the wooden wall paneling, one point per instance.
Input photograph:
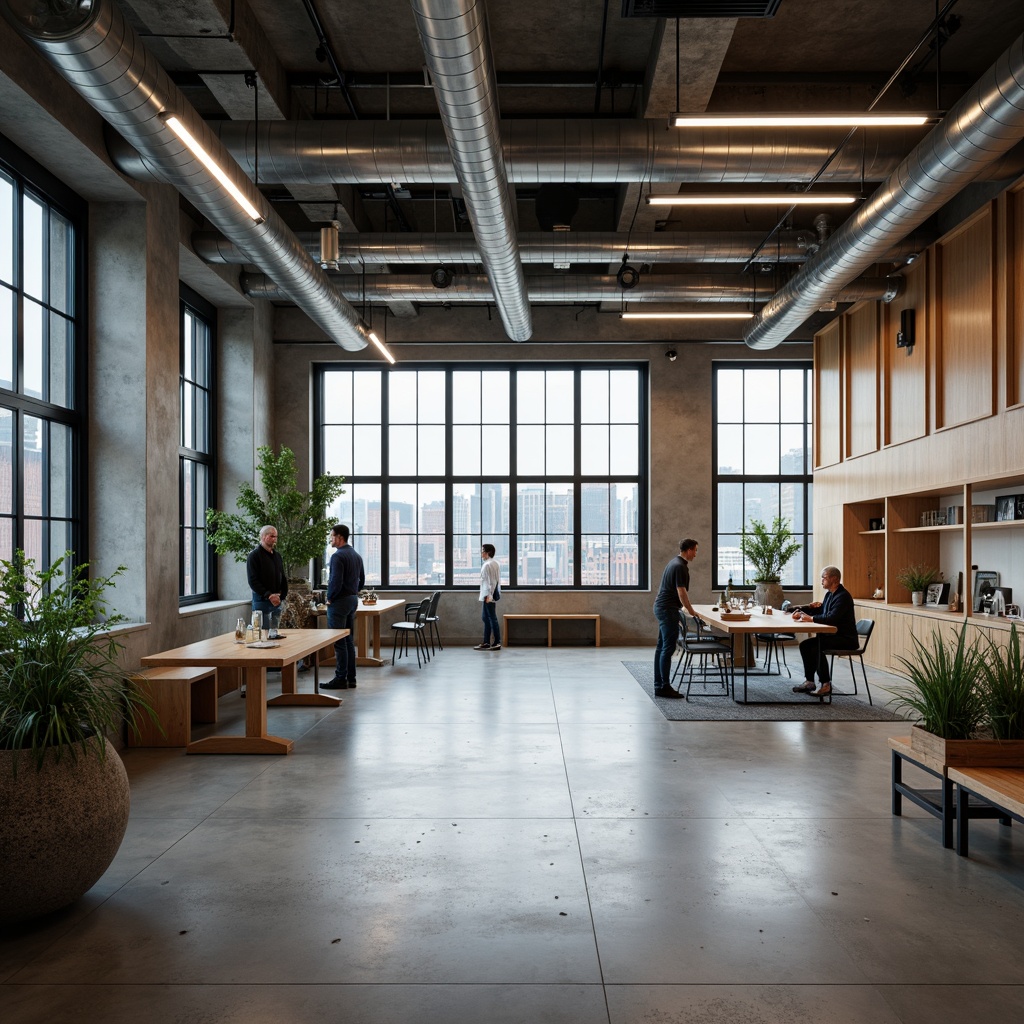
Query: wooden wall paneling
{"points": [[827, 395], [863, 561], [861, 378], [905, 376], [965, 327], [1012, 268]]}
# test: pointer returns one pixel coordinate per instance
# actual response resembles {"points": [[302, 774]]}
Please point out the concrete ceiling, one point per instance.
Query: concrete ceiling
{"points": [[571, 59]]}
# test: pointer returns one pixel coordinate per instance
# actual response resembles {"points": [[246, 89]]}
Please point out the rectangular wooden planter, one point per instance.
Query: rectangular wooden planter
{"points": [[968, 753]]}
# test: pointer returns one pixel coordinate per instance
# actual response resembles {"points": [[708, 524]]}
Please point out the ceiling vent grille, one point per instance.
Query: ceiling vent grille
{"points": [[700, 8]]}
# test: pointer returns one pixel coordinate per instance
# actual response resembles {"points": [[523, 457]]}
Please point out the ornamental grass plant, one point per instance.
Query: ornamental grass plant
{"points": [[1002, 687], [945, 694]]}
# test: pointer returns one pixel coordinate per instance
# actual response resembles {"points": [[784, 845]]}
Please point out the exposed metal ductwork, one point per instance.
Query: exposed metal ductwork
{"points": [[99, 53], [566, 151], [453, 34], [570, 288], [984, 124], [555, 247]]}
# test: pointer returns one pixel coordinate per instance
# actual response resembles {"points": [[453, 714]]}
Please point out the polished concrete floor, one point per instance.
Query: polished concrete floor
{"points": [[522, 837]]}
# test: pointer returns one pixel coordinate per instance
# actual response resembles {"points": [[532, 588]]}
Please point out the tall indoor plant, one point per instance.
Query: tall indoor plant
{"points": [[300, 517], [63, 790], [769, 550]]}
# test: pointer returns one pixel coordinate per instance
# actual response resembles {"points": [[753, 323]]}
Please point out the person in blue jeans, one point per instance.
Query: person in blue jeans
{"points": [[345, 581], [672, 595], [490, 580]]}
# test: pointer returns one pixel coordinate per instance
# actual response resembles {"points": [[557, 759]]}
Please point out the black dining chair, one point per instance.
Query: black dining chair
{"points": [[433, 619], [695, 642], [417, 627], [775, 643], [864, 628]]}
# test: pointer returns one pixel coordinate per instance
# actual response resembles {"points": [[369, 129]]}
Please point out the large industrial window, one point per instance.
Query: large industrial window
{"points": [[41, 317], [195, 451], [762, 462], [544, 462]]}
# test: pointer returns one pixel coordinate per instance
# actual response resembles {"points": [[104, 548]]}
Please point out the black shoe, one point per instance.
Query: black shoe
{"points": [[668, 693], [334, 684], [351, 684]]}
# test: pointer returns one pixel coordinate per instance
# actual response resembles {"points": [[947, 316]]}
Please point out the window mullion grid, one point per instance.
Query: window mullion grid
{"points": [[577, 486]]}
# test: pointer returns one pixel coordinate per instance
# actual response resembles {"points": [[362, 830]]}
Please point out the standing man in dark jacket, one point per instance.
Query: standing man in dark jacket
{"points": [[672, 595], [266, 575], [836, 609], [346, 579]]}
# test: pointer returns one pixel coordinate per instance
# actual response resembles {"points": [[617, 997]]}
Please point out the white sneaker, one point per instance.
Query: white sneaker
{"points": [[482, 647], [494, 647]]}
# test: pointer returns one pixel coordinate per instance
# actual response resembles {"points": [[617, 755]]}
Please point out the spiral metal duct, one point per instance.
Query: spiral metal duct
{"points": [[453, 34], [984, 124], [554, 247], [99, 53], [557, 151], [570, 288]]}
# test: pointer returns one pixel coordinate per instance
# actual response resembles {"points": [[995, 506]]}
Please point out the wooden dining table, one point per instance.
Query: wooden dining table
{"points": [[743, 630], [367, 630], [250, 663]]}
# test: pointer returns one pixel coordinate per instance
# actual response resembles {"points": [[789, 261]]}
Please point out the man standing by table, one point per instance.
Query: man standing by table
{"points": [[265, 571], [346, 579], [673, 595], [836, 609]]}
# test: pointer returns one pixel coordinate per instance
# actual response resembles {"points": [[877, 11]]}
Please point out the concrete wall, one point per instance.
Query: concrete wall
{"points": [[680, 471]]}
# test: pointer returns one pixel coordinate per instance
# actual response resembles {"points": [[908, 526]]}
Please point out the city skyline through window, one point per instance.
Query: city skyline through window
{"points": [[542, 462]]}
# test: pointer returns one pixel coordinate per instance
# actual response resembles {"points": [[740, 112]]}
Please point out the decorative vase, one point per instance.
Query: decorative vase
{"points": [[59, 828], [917, 597], [768, 594]]}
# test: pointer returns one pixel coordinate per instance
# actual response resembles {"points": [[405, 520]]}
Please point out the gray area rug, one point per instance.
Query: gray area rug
{"points": [[703, 706]]}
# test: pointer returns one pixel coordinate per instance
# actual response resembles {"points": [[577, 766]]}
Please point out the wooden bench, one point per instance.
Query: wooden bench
{"points": [[179, 697], [1001, 789], [942, 802], [579, 616]]}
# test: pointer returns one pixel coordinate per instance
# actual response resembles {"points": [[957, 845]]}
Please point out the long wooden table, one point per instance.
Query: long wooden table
{"points": [[251, 663], [365, 615], [777, 622]]}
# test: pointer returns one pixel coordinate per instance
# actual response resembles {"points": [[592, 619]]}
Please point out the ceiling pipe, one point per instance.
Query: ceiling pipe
{"points": [[984, 124], [557, 151], [550, 247], [571, 288], [453, 34], [92, 45]]}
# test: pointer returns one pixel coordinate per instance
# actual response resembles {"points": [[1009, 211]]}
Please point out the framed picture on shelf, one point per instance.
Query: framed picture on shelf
{"points": [[1006, 507], [985, 584], [937, 595], [1018, 511]]}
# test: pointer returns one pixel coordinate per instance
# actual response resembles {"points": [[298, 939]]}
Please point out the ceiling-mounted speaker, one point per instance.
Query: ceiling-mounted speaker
{"points": [[905, 335], [441, 277]]}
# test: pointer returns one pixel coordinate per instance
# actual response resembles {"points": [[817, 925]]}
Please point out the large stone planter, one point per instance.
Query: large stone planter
{"points": [[768, 594], [968, 753], [59, 828]]}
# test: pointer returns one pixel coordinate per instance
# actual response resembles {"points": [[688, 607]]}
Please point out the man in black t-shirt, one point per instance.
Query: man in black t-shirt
{"points": [[675, 582]]}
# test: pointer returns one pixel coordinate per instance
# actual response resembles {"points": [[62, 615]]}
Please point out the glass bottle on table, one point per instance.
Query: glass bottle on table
{"points": [[257, 625], [240, 631]]}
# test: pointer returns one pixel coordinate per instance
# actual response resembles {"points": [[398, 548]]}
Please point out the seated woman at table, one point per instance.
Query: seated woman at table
{"points": [[835, 609]]}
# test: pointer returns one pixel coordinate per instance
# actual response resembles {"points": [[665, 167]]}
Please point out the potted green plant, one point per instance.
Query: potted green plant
{"points": [[947, 697], [1002, 687], [63, 790], [917, 579], [300, 518], [769, 550]]}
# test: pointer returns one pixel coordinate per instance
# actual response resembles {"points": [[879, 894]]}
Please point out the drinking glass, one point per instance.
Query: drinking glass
{"points": [[240, 631], [274, 621]]}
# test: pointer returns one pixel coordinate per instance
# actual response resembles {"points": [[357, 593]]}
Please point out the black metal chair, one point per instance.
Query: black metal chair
{"points": [[695, 643], [418, 627], [433, 619], [864, 628]]}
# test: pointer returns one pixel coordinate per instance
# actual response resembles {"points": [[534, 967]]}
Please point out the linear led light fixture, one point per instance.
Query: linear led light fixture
{"points": [[754, 199], [383, 348], [866, 120], [686, 316], [211, 165]]}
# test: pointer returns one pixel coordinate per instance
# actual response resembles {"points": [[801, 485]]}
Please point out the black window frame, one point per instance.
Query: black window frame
{"points": [[806, 479], [512, 479], [30, 177], [190, 551]]}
